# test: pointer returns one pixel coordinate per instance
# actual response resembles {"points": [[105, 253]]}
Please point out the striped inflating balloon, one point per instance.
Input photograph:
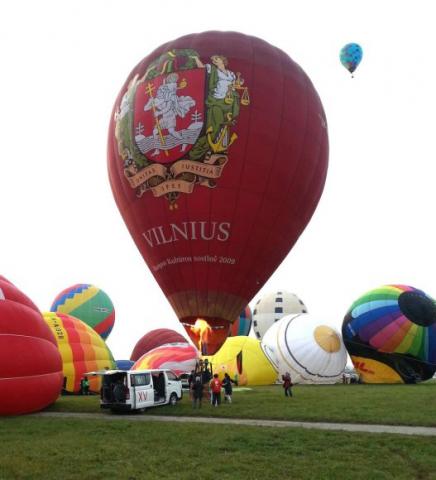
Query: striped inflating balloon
{"points": [[89, 303], [390, 334], [81, 348], [178, 357]]}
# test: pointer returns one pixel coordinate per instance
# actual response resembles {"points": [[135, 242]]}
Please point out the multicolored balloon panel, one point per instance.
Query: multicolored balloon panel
{"points": [[178, 357], [350, 56], [217, 158], [242, 325], [81, 348], [88, 303], [393, 325], [155, 338], [30, 364]]}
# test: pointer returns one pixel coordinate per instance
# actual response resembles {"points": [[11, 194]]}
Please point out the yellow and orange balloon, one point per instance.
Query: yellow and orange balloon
{"points": [[81, 348]]}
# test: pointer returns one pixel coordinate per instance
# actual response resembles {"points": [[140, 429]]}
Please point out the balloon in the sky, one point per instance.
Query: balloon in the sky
{"points": [[243, 359], [88, 303], [243, 324], [272, 307], [307, 347], [30, 363], [390, 334], [178, 357], [217, 157], [350, 56], [81, 348], [155, 338]]}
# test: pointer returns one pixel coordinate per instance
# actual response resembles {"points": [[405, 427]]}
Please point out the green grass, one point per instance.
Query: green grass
{"points": [[379, 404], [66, 448]]}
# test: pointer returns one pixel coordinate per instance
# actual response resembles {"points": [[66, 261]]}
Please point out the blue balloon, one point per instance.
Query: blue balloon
{"points": [[124, 364], [350, 56]]}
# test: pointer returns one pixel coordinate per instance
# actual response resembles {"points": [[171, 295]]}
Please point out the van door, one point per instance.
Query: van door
{"points": [[142, 390]]}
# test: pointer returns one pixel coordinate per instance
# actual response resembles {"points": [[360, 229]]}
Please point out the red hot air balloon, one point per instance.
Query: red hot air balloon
{"points": [[217, 157], [30, 364]]}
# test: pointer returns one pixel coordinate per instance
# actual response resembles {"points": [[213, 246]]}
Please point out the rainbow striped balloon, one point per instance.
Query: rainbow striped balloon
{"points": [[396, 320], [88, 303], [178, 357], [81, 348]]}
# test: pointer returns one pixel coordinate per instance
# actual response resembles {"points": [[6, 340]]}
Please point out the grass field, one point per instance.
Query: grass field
{"points": [[380, 404], [66, 448]]}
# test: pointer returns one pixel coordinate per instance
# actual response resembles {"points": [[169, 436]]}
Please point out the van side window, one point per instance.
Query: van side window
{"points": [[140, 379], [171, 376]]}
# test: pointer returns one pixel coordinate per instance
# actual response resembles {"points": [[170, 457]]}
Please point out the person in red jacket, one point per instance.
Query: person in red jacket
{"points": [[215, 386]]}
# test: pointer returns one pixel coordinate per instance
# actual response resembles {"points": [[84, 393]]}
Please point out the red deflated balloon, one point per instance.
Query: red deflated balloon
{"points": [[217, 156], [30, 364]]}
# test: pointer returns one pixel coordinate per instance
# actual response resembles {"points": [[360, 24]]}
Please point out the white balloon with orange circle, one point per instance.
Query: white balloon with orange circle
{"points": [[311, 350]]}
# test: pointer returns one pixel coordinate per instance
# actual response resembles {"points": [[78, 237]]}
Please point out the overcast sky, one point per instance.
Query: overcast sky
{"points": [[62, 66]]}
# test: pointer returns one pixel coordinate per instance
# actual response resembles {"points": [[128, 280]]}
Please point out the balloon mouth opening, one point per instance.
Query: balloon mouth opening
{"points": [[207, 333], [327, 339], [418, 308]]}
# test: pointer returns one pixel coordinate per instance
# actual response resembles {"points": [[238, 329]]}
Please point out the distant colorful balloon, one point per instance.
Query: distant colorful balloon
{"points": [[155, 338], [242, 325], [390, 334], [178, 357], [30, 364], [243, 359], [308, 348], [81, 348], [88, 303], [272, 307], [350, 56]]}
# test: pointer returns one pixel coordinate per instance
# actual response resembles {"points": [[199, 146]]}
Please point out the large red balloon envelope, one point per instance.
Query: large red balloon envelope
{"points": [[217, 159], [30, 364]]}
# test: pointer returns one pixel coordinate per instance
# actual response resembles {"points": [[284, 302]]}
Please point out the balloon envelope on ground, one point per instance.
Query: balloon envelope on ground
{"points": [[390, 334], [155, 338], [306, 347], [217, 157], [178, 357], [272, 307], [243, 359], [81, 348], [30, 363], [88, 303]]}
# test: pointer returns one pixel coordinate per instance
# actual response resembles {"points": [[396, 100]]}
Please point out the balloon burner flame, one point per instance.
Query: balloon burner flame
{"points": [[201, 329]]}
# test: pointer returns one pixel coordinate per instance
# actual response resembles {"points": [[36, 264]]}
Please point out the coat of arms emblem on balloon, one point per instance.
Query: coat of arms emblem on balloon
{"points": [[175, 123]]}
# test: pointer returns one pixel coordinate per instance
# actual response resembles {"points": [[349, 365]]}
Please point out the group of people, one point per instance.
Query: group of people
{"points": [[203, 384]]}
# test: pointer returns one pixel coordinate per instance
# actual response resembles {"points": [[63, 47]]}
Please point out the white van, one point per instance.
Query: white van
{"points": [[138, 389]]}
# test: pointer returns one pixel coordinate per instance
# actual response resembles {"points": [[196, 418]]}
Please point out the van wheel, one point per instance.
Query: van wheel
{"points": [[173, 399]]}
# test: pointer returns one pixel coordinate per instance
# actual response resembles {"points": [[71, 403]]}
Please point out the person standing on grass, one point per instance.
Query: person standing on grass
{"points": [[84, 386], [287, 384], [228, 390], [215, 386], [197, 392]]}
